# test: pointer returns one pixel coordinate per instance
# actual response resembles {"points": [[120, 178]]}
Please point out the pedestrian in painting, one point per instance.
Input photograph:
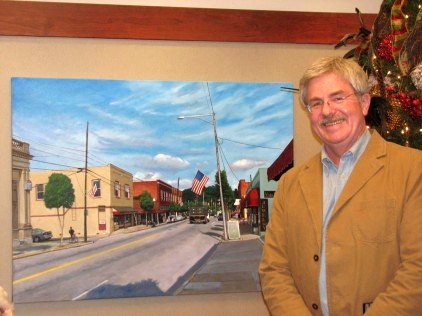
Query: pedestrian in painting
{"points": [[71, 233]]}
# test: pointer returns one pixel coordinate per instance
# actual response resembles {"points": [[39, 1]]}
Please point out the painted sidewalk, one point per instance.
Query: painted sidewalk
{"points": [[232, 267]]}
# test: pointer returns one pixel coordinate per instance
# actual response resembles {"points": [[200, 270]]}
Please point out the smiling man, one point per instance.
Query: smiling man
{"points": [[345, 233]]}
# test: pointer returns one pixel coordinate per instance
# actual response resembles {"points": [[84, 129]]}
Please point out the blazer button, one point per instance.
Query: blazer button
{"points": [[316, 257], [314, 306]]}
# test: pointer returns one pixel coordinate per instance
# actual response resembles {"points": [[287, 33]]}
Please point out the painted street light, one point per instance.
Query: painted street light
{"points": [[214, 124]]}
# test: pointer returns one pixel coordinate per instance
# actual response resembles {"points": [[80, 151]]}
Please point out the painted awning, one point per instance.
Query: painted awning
{"points": [[253, 198], [122, 210], [160, 211], [283, 163]]}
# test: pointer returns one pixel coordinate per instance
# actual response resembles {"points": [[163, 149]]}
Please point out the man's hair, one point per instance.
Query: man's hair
{"points": [[348, 69]]}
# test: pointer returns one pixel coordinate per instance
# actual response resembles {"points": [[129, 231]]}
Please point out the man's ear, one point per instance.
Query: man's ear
{"points": [[365, 103]]}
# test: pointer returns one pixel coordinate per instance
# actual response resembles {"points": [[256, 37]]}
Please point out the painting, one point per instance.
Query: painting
{"points": [[115, 139]]}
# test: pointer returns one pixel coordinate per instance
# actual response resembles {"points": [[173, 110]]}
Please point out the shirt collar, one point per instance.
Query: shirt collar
{"points": [[355, 151]]}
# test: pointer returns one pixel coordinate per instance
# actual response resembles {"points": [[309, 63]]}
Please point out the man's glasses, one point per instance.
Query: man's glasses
{"points": [[317, 104]]}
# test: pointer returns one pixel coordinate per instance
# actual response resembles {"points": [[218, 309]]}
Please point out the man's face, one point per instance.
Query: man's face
{"points": [[339, 118]]}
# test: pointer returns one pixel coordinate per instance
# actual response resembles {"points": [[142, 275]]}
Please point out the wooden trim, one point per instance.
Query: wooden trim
{"points": [[49, 19]]}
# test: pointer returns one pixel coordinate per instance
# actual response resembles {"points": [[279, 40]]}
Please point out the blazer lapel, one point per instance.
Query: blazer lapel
{"points": [[310, 181], [368, 164]]}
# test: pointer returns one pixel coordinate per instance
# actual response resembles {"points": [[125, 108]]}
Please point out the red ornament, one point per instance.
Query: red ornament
{"points": [[385, 48], [410, 104]]}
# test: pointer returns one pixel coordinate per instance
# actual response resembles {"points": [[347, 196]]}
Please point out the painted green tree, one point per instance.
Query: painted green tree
{"points": [[146, 203], [59, 194], [174, 207], [228, 195]]}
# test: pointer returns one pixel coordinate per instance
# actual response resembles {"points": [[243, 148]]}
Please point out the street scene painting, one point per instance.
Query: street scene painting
{"points": [[140, 188]]}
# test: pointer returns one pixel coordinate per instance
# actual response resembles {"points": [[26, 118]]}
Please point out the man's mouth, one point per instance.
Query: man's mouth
{"points": [[331, 122]]}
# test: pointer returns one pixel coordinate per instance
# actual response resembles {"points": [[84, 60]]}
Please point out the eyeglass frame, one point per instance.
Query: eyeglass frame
{"points": [[335, 99]]}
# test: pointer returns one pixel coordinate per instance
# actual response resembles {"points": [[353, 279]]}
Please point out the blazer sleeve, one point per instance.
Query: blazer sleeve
{"points": [[403, 295], [278, 287]]}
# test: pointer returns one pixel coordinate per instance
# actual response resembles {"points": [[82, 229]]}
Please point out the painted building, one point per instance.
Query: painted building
{"points": [[260, 200], [105, 192], [162, 193], [21, 186], [242, 189], [256, 197]]}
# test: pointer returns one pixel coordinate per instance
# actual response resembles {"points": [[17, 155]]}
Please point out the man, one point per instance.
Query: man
{"points": [[345, 234]]}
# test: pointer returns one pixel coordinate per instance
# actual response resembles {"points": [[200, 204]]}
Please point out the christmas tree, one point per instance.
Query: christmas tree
{"points": [[391, 54]]}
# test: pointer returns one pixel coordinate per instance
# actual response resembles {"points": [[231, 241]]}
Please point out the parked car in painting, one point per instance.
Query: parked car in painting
{"points": [[175, 218], [171, 219], [39, 234]]}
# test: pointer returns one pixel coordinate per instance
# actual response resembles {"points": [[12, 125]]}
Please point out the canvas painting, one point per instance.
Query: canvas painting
{"points": [[108, 174]]}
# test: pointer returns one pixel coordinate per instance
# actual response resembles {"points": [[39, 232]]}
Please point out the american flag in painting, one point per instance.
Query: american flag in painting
{"points": [[199, 182], [93, 190]]}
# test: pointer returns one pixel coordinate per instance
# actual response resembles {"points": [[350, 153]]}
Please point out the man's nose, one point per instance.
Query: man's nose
{"points": [[326, 107]]}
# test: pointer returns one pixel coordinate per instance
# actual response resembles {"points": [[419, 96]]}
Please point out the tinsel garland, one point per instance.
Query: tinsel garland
{"points": [[393, 63]]}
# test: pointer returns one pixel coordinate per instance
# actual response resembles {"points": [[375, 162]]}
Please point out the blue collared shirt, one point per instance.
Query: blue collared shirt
{"points": [[333, 180]]}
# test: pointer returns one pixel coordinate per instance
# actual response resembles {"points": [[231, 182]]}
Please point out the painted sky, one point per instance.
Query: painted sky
{"points": [[134, 125]]}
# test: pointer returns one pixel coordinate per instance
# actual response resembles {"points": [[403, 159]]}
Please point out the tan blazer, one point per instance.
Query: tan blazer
{"points": [[374, 238]]}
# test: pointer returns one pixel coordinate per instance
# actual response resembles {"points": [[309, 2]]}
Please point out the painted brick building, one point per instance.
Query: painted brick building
{"points": [[163, 195]]}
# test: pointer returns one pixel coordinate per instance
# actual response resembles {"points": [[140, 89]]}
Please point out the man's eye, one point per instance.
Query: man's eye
{"points": [[337, 99], [316, 104]]}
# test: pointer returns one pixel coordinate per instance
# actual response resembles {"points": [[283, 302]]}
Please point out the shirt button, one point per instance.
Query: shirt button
{"points": [[314, 306], [316, 257]]}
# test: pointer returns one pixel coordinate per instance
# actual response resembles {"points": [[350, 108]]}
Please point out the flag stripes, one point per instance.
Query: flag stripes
{"points": [[199, 182]]}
